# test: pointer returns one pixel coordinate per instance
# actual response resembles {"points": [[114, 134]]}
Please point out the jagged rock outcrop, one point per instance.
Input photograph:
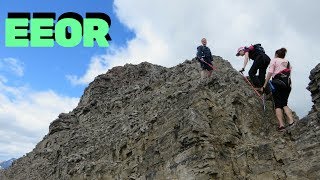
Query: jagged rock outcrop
{"points": [[150, 122], [314, 88], [306, 135]]}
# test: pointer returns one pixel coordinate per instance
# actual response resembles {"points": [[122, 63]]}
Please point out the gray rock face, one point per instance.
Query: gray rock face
{"points": [[150, 122], [306, 135], [314, 88]]}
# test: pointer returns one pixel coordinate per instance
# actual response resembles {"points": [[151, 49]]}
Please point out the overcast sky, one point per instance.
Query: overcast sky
{"points": [[162, 32]]}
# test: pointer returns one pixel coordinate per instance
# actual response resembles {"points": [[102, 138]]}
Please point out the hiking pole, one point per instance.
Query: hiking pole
{"points": [[264, 102], [261, 97], [272, 88], [252, 86], [213, 68]]}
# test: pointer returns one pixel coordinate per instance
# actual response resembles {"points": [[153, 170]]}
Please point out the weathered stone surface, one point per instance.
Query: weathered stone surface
{"points": [[150, 122], [314, 87], [306, 136]]}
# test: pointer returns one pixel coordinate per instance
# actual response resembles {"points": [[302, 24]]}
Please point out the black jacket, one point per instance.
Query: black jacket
{"points": [[204, 52]]}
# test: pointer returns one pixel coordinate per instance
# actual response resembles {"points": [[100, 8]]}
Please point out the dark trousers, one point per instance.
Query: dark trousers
{"points": [[281, 96], [261, 64], [205, 66]]}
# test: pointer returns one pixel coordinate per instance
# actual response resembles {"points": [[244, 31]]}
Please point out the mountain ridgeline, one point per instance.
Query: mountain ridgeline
{"points": [[6, 164], [150, 122]]}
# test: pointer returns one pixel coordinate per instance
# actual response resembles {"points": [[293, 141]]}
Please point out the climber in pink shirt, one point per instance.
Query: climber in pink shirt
{"points": [[280, 71]]}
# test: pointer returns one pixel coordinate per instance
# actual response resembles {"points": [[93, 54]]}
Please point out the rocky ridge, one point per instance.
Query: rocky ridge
{"points": [[6, 164], [314, 88], [150, 122]]}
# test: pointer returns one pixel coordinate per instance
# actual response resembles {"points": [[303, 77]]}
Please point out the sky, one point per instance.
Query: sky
{"points": [[37, 84]]}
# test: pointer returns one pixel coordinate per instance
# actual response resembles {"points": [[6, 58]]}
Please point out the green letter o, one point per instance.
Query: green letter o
{"points": [[76, 32]]}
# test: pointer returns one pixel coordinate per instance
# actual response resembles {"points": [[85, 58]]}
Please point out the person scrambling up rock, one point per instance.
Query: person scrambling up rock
{"points": [[280, 71], [260, 62]]}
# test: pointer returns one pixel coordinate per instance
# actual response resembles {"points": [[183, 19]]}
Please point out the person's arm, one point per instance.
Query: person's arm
{"points": [[246, 59], [210, 55], [245, 62], [267, 80], [199, 52], [269, 75]]}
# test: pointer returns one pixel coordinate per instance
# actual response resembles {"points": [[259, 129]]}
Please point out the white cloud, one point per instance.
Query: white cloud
{"points": [[98, 65], [167, 32], [25, 116], [12, 65]]}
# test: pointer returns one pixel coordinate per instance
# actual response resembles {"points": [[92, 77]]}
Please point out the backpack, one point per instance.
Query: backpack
{"points": [[258, 47], [282, 80], [201, 53]]}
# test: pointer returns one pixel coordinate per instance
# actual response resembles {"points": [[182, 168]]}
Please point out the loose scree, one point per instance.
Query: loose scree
{"points": [[68, 31]]}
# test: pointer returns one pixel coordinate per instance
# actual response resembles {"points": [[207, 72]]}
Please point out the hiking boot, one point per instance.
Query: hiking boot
{"points": [[281, 128], [291, 125]]}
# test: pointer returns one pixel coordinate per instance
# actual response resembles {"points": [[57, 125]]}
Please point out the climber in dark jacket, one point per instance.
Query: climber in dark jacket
{"points": [[260, 62], [205, 58]]}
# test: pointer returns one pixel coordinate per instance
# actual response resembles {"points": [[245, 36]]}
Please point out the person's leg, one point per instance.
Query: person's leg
{"points": [[208, 68], [203, 73], [253, 71], [279, 115], [209, 73], [265, 61], [278, 106], [262, 75], [288, 112]]}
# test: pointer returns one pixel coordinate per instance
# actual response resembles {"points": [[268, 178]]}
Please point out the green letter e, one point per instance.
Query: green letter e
{"points": [[12, 32]]}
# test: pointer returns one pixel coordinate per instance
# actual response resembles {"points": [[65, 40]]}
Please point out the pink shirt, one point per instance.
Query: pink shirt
{"points": [[277, 65]]}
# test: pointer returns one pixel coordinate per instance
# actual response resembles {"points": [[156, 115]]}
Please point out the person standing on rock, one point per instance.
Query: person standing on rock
{"points": [[280, 71], [205, 58], [260, 62]]}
